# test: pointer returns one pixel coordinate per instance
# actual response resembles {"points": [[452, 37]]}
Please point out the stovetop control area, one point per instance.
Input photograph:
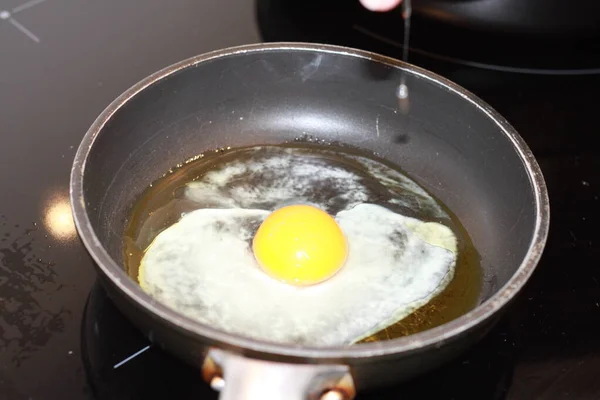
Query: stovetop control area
{"points": [[62, 62]]}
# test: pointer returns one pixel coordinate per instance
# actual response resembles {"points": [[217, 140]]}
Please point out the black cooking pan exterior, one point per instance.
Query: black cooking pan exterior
{"points": [[448, 140]]}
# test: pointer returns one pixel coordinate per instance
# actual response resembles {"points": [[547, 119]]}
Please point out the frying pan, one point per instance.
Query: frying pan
{"points": [[451, 142]]}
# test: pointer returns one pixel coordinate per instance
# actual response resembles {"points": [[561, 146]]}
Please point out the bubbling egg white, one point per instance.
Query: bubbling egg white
{"points": [[203, 267]]}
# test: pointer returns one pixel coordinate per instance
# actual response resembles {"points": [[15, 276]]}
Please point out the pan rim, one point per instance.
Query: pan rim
{"points": [[434, 337]]}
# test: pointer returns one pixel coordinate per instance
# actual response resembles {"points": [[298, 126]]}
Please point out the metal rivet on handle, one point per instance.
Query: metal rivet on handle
{"points": [[217, 383], [333, 395], [212, 373]]}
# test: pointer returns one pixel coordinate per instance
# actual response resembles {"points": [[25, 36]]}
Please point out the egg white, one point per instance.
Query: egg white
{"points": [[203, 267], [291, 180], [285, 176]]}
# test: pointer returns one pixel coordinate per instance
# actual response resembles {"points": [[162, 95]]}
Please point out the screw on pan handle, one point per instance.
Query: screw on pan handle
{"points": [[241, 378]]}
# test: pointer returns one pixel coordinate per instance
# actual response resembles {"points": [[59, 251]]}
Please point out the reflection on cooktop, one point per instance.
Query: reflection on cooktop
{"points": [[121, 364]]}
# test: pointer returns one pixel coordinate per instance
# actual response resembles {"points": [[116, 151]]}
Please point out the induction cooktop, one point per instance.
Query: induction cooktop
{"points": [[62, 62]]}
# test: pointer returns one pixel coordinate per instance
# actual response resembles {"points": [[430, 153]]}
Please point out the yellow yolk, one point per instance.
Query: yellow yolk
{"points": [[300, 245]]}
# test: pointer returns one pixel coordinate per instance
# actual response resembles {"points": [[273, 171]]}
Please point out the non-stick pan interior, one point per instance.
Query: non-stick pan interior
{"points": [[445, 141]]}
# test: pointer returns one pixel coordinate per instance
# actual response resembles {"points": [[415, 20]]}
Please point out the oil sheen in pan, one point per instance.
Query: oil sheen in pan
{"points": [[164, 202]]}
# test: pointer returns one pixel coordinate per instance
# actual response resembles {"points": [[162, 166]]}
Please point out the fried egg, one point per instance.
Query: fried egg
{"points": [[204, 267]]}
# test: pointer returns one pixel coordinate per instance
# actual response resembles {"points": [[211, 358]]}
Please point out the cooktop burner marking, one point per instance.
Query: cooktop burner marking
{"points": [[26, 31], [27, 5], [7, 16], [131, 357]]}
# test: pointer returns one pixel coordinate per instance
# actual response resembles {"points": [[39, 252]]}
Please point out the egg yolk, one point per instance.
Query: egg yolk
{"points": [[300, 245]]}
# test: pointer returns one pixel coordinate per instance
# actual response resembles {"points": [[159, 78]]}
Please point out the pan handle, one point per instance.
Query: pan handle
{"points": [[240, 378]]}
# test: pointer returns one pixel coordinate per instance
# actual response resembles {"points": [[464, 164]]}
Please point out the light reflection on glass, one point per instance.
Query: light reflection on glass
{"points": [[58, 218]]}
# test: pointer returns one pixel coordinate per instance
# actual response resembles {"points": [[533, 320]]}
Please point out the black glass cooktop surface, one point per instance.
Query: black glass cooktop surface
{"points": [[62, 62]]}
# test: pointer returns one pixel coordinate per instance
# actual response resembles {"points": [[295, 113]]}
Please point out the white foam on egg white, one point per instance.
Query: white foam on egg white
{"points": [[203, 267], [291, 177], [290, 181]]}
